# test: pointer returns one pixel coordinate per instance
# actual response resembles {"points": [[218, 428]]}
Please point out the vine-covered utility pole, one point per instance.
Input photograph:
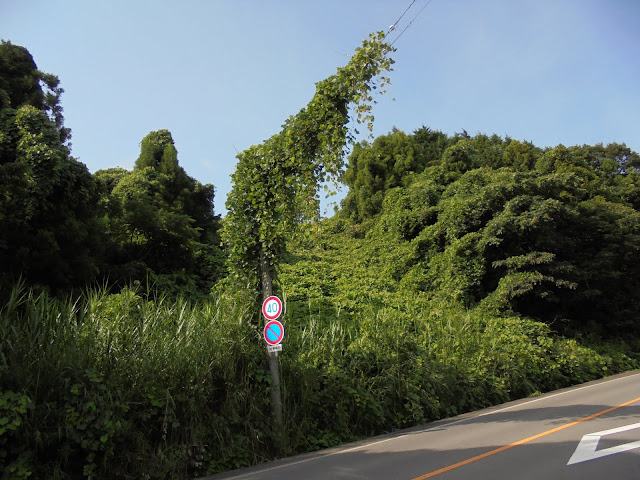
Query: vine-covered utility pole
{"points": [[275, 184]]}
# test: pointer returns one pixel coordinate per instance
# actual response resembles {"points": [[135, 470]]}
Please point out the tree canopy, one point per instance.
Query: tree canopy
{"points": [[47, 198], [160, 221], [63, 227], [549, 233]]}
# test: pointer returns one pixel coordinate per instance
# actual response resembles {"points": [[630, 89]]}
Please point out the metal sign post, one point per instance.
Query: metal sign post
{"points": [[273, 334]]}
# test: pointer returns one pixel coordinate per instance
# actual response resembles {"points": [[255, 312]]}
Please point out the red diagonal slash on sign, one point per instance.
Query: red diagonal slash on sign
{"points": [[273, 329]]}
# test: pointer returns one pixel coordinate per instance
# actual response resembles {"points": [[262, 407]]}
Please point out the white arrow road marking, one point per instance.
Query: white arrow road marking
{"points": [[586, 449]]}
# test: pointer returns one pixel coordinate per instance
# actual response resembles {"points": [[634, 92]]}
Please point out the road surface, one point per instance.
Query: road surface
{"points": [[587, 432]]}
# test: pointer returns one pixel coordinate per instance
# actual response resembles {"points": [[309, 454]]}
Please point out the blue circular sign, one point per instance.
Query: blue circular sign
{"points": [[273, 332]]}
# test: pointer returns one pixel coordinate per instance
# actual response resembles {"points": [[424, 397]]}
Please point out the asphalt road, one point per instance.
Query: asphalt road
{"points": [[587, 432]]}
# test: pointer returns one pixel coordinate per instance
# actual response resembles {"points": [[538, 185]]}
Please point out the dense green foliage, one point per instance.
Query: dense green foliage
{"points": [[47, 199], [159, 221], [116, 386], [21, 83], [460, 272], [384, 165], [122, 386], [275, 184], [551, 234], [63, 227]]}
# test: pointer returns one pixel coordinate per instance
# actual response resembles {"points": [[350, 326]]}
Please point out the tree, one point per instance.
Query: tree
{"points": [[47, 199], [430, 145], [391, 160], [553, 236], [374, 169], [159, 220], [520, 156], [21, 83]]}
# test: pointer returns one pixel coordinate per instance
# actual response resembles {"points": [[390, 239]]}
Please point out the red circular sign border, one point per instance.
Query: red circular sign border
{"points": [[264, 332], [272, 297]]}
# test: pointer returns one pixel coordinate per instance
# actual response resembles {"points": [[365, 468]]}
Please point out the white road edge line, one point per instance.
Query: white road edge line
{"points": [[545, 397], [318, 457]]}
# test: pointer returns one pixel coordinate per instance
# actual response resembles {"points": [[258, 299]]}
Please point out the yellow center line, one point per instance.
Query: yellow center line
{"points": [[521, 442]]}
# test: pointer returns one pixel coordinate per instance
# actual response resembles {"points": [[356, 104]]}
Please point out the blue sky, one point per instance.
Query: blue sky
{"points": [[224, 75]]}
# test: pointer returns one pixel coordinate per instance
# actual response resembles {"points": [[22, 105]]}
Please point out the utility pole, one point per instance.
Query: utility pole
{"points": [[274, 367]]}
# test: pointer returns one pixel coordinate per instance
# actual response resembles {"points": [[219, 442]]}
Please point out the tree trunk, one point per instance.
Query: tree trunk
{"points": [[274, 367]]}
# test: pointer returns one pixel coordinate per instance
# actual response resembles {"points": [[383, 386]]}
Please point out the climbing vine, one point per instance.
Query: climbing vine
{"points": [[276, 183]]}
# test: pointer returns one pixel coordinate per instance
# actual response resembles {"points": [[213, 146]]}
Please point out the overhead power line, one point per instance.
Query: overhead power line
{"points": [[394, 26]]}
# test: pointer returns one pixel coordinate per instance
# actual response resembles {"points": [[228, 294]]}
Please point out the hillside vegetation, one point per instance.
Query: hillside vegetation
{"points": [[550, 234], [459, 272]]}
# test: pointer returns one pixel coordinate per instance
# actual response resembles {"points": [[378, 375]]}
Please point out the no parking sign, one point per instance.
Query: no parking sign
{"points": [[273, 332]]}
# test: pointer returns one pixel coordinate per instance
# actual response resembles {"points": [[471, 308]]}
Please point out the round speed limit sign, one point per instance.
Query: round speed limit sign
{"points": [[272, 307]]}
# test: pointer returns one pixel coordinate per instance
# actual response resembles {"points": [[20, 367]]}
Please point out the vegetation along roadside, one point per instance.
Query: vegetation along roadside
{"points": [[459, 272]]}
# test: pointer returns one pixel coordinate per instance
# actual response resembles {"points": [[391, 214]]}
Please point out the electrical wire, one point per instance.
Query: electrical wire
{"points": [[411, 22], [393, 25]]}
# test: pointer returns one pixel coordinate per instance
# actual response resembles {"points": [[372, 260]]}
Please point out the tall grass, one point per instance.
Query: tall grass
{"points": [[144, 385], [121, 386]]}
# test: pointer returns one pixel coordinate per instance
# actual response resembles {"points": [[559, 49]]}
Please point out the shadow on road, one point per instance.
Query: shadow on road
{"points": [[399, 456]]}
